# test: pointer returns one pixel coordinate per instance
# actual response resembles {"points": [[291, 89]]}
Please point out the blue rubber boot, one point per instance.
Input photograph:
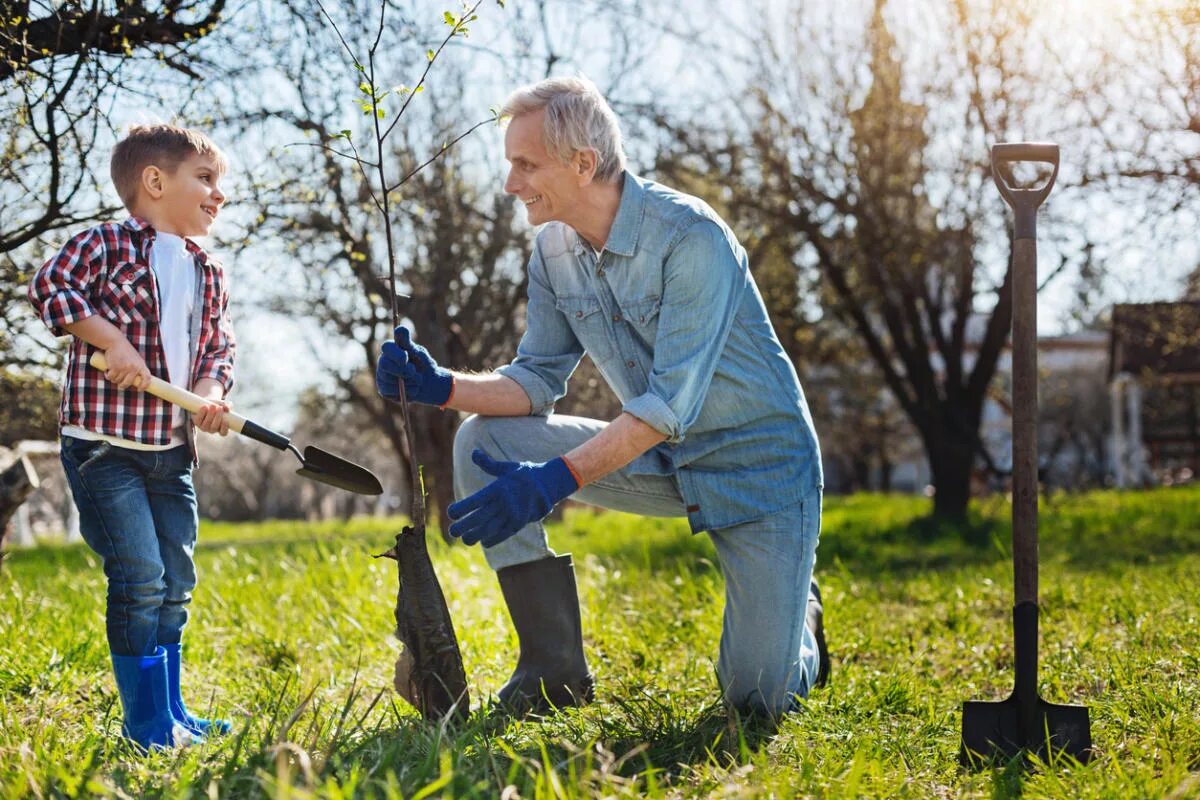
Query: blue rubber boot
{"points": [[198, 726], [142, 685]]}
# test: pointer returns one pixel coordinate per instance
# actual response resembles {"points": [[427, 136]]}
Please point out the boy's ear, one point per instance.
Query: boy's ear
{"points": [[152, 182]]}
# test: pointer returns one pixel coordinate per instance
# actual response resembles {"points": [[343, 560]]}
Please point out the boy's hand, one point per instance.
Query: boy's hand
{"points": [[210, 417], [126, 367]]}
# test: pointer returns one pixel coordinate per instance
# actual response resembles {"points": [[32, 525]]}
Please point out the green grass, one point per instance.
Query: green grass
{"points": [[290, 635]]}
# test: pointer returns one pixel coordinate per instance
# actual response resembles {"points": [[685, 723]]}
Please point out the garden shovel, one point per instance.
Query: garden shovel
{"points": [[315, 463], [1024, 722]]}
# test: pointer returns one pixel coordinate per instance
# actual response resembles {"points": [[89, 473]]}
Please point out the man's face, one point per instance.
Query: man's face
{"points": [[191, 197], [549, 189]]}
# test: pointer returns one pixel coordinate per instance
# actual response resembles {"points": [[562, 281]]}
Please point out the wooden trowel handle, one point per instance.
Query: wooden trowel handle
{"points": [[192, 402]]}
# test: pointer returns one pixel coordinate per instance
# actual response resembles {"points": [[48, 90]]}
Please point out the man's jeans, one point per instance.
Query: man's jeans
{"points": [[137, 510], [768, 656]]}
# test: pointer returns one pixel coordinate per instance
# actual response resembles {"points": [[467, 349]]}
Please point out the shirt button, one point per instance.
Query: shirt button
{"points": [[578, 315], [629, 364], [600, 273], [616, 317]]}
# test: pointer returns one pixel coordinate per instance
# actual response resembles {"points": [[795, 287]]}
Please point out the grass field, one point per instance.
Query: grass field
{"points": [[290, 635]]}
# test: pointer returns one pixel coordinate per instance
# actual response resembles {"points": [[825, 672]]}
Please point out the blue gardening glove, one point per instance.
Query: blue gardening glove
{"points": [[523, 492], [404, 360]]}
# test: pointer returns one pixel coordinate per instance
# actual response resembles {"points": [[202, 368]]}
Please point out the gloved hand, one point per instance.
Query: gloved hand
{"points": [[404, 360], [523, 492]]}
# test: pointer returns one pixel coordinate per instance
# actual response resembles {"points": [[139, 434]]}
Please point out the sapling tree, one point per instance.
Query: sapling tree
{"points": [[429, 672]]}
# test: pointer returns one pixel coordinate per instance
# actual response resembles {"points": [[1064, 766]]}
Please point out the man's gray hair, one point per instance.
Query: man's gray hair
{"points": [[577, 118]]}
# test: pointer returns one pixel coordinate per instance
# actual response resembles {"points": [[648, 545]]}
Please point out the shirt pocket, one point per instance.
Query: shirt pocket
{"points": [[127, 295], [642, 316], [586, 318]]}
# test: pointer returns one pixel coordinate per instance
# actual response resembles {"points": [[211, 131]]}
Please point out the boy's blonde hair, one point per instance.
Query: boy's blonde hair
{"points": [[160, 145]]}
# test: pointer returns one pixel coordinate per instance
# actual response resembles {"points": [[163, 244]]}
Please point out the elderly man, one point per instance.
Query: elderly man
{"points": [[654, 286]]}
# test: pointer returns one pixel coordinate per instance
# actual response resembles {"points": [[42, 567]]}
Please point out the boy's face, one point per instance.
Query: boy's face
{"points": [[188, 198]]}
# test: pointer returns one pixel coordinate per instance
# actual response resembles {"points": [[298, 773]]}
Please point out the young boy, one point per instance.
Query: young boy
{"points": [[155, 304]]}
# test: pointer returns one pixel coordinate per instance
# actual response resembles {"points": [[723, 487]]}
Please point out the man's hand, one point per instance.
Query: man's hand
{"points": [[210, 417], [404, 360], [523, 492], [126, 367]]}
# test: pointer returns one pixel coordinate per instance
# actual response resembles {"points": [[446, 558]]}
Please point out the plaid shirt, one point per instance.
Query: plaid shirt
{"points": [[106, 270]]}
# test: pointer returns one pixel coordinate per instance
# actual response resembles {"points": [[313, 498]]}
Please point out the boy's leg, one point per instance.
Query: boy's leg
{"points": [[536, 438], [109, 487], [173, 502], [172, 499], [768, 655]]}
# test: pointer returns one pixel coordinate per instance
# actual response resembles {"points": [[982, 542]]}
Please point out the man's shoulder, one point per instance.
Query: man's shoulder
{"points": [[674, 209]]}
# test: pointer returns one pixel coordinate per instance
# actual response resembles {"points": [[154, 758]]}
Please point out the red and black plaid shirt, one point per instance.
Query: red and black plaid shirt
{"points": [[106, 270]]}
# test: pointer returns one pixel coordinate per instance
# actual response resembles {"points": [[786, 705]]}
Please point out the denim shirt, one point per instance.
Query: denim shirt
{"points": [[673, 320]]}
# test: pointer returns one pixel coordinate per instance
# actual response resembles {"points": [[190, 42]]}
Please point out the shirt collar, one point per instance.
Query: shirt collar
{"points": [[136, 224], [627, 226]]}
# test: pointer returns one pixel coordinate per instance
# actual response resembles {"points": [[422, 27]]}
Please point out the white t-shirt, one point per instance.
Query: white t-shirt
{"points": [[175, 269]]}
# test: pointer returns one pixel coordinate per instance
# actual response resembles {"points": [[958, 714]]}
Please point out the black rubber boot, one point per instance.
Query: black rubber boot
{"points": [[814, 619], [552, 671]]}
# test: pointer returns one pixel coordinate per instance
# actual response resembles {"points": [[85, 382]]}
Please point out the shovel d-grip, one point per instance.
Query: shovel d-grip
{"points": [[1024, 722]]}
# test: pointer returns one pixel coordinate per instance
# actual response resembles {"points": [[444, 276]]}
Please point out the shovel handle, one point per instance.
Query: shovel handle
{"points": [[192, 402], [1024, 202]]}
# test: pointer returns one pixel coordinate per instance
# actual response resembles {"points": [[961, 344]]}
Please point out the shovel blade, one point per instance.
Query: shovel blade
{"points": [[336, 471], [996, 729]]}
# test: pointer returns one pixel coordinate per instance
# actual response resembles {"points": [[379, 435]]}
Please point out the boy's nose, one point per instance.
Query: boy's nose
{"points": [[218, 196]]}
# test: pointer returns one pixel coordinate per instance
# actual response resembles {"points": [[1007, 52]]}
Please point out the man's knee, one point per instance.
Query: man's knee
{"points": [[752, 689], [501, 437], [466, 437]]}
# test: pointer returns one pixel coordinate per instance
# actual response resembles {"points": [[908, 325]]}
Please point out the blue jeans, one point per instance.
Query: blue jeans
{"points": [[768, 657], [137, 510]]}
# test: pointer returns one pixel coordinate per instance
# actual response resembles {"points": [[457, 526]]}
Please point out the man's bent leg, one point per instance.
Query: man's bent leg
{"points": [[538, 586], [535, 438], [768, 654]]}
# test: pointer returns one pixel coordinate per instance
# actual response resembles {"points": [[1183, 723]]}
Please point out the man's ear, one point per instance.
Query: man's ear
{"points": [[585, 162], [152, 182]]}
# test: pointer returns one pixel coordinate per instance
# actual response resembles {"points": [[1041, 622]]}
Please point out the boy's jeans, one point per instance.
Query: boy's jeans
{"points": [[137, 510], [767, 654]]}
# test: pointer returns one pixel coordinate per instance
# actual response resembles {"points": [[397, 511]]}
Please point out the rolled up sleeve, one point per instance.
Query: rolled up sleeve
{"points": [[549, 352], [703, 282], [59, 290]]}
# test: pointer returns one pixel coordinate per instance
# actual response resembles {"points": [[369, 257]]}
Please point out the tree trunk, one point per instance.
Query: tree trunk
{"points": [[17, 482], [951, 460]]}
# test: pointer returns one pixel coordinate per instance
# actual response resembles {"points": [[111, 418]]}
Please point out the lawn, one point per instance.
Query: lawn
{"points": [[290, 635]]}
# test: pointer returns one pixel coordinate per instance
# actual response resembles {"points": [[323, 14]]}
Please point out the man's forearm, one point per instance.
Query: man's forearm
{"points": [[490, 394], [621, 441]]}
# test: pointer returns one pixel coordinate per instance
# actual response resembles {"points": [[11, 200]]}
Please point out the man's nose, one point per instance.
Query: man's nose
{"points": [[510, 185]]}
